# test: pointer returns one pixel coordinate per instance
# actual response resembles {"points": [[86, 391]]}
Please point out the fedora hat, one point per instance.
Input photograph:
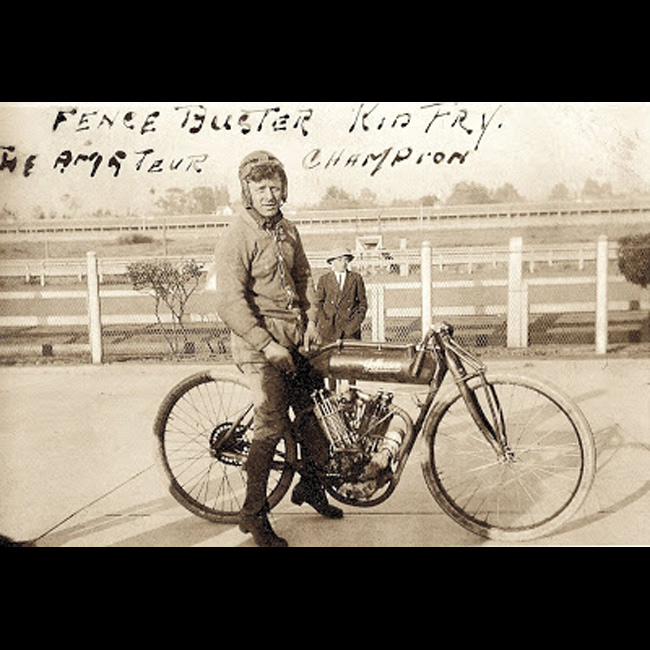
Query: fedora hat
{"points": [[340, 253]]}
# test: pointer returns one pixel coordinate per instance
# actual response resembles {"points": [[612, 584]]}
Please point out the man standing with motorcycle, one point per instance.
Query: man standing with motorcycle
{"points": [[265, 295]]}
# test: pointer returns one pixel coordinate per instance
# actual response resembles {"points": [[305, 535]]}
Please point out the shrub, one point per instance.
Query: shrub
{"points": [[634, 259], [170, 285], [135, 238]]}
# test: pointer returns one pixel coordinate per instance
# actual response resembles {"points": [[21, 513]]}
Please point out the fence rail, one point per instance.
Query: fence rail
{"points": [[402, 216], [377, 291], [404, 261], [507, 307]]}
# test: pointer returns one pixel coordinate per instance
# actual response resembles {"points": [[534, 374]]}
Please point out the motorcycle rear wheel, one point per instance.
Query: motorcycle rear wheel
{"points": [[204, 428]]}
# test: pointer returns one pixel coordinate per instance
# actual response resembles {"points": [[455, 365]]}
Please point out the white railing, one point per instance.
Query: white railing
{"points": [[75, 268], [364, 217], [515, 308], [403, 261]]}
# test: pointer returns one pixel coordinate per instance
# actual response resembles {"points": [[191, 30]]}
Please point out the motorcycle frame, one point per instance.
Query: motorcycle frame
{"points": [[452, 358]]}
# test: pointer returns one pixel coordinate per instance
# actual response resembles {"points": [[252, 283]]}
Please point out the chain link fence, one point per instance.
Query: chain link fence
{"points": [[497, 298]]}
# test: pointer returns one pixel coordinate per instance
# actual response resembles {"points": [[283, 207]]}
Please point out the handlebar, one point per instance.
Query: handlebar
{"points": [[442, 330]]}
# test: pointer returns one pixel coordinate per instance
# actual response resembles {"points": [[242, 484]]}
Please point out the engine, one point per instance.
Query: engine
{"points": [[365, 440]]}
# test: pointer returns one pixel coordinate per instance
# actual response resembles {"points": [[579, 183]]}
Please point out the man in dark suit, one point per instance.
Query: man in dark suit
{"points": [[341, 300]]}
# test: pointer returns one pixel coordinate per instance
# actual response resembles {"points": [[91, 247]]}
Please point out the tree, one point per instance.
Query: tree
{"points": [[199, 200], [336, 198], [367, 198], [560, 192], [202, 200], [70, 204], [634, 259], [593, 190], [172, 286], [174, 202], [468, 194], [429, 200], [507, 193]]}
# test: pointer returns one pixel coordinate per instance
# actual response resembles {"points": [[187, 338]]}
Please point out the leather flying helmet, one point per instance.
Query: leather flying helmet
{"points": [[258, 166]]}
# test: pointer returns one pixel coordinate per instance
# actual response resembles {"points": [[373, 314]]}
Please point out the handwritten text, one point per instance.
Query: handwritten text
{"points": [[375, 161], [425, 119], [428, 135]]}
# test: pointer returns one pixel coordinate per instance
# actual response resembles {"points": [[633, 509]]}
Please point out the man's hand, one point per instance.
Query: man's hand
{"points": [[311, 337], [278, 356]]}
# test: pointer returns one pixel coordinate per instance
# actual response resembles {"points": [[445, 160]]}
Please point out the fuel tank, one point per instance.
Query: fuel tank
{"points": [[381, 362]]}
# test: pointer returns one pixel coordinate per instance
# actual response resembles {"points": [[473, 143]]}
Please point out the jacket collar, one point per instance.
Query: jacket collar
{"points": [[263, 222]]}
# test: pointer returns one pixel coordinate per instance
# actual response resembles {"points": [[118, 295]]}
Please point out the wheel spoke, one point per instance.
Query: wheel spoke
{"points": [[521, 492], [207, 476]]}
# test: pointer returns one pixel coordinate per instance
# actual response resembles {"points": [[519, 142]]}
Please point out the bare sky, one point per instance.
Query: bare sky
{"points": [[121, 156]]}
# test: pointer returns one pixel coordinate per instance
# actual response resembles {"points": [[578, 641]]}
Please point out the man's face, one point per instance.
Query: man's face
{"points": [[267, 196], [340, 264]]}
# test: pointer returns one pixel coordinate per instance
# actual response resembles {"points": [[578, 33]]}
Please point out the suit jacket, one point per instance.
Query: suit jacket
{"points": [[340, 312]]}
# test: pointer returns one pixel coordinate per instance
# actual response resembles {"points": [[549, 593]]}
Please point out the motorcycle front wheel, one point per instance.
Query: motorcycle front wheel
{"points": [[527, 493]]}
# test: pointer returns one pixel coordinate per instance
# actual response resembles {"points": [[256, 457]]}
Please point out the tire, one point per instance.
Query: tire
{"points": [[204, 428], [528, 495]]}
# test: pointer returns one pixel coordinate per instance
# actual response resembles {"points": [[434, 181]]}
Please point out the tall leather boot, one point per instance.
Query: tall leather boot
{"points": [[312, 441], [254, 517], [310, 490]]}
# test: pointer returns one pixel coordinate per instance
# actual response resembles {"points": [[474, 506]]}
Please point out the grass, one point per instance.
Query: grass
{"points": [[74, 249], [138, 245]]}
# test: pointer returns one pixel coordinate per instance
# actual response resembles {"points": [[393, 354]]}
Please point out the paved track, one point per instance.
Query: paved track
{"points": [[77, 458]]}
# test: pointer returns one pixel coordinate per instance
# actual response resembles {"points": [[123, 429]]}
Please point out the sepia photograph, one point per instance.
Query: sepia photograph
{"points": [[324, 324]]}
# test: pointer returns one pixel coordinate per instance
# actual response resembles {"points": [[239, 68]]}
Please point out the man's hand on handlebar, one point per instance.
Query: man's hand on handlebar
{"points": [[280, 357], [312, 337]]}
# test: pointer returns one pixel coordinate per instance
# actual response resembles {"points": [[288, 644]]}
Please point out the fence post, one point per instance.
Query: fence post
{"points": [[94, 310], [517, 297], [427, 303], [525, 315], [602, 263], [377, 310], [381, 312], [404, 266]]}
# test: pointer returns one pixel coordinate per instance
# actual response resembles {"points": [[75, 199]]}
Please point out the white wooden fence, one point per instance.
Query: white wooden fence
{"points": [[516, 308], [404, 261]]}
